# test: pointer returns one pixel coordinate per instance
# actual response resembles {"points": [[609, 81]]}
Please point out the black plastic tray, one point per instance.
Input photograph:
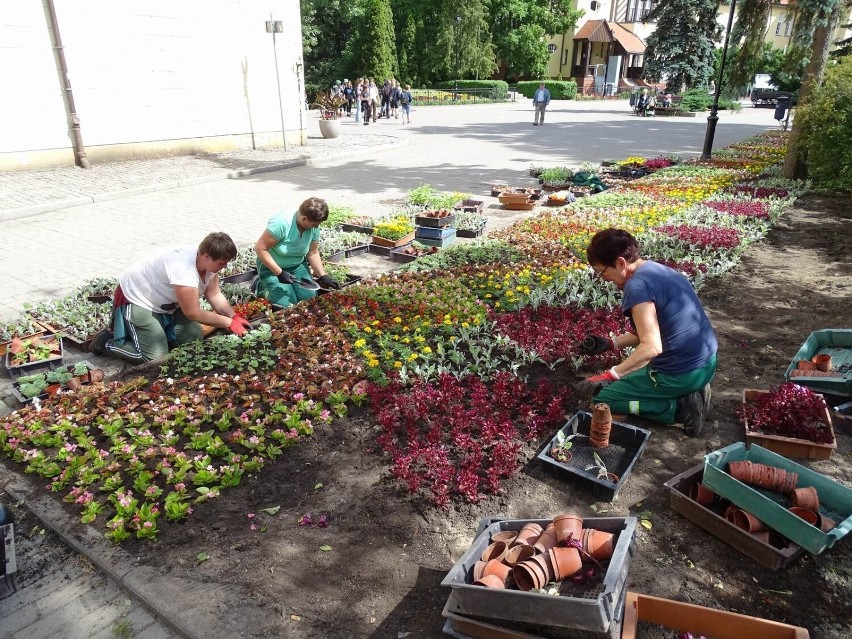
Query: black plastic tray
{"points": [[357, 250], [471, 232], [355, 228], [385, 251], [626, 443], [36, 367]]}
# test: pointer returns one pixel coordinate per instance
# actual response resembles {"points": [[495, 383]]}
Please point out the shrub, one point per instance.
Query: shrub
{"points": [[731, 105], [501, 87], [559, 89], [826, 124], [696, 100]]}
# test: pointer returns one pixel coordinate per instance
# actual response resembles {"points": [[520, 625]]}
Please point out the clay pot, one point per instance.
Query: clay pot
{"points": [[825, 523], [73, 384], [729, 512], [822, 362], [529, 534], [546, 541], [740, 470], [762, 535], [806, 497], [544, 562], [612, 478], [567, 526], [499, 569], [808, 515], [497, 550], [53, 389], [700, 493], [517, 554], [805, 365], [96, 375], [478, 568], [506, 536], [597, 543], [601, 425], [528, 575], [566, 562], [748, 522], [490, 581]]}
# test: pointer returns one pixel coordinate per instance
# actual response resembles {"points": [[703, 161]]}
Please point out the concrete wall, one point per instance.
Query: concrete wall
{"points": [[148, 78]]}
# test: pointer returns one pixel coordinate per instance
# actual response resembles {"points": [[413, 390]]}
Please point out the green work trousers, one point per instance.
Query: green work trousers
{"points": [[285, 294], [146, 338], [652, 394]]}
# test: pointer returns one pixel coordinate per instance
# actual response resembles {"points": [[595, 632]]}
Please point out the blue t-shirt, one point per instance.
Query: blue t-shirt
{"points": [[689, 341], [293, 245]]}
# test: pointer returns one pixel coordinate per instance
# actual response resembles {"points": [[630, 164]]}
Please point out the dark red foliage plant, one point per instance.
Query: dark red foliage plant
{"points": [[789, 410], [461, 437]]}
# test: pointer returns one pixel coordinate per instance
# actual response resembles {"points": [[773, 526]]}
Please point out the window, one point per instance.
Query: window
{"points": [[787, 26], [551, 48], [778, 27], [594, 5]]}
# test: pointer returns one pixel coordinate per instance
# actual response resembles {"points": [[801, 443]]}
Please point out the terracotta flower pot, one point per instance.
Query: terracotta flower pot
{"points": [[73, 384], [806, 497], [612, 478], [53, 389], [597, 543], [822, 362], [565, 561], [567, 526], [740, 470], [96, 376], [490, 581], [808, 515], [528, 534], [517, 554], [506, 536], [478, 568], [545, 541], [729, 512], [601, 425], [543, 561], [748, 522], [762, 535], [805, 365], [825, 523], [700, 493], [497, 550], [528, 575], [499, 569]]}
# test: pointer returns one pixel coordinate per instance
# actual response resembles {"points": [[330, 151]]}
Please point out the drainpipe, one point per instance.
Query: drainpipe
{"points": [[562, 56], [80, 158]]}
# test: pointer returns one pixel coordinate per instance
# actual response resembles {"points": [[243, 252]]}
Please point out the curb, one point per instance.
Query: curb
{"points": [[46, 207]]}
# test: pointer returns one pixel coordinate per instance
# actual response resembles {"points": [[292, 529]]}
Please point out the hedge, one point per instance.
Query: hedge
{"points": [[559, 89], [500, 86]]}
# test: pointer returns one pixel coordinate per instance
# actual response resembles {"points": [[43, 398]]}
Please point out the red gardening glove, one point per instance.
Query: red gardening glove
{"points": [[591, 386], [239, 325], [604, 378]]}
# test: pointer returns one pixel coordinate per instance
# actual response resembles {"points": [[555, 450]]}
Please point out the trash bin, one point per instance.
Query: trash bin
{"points": [[633, 96], [781, 107]]}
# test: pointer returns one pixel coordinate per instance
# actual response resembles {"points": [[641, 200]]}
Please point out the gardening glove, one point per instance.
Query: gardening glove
{"points": [[239, 325], [595, 345], [591, 386], [286, 277], [326, 281]]}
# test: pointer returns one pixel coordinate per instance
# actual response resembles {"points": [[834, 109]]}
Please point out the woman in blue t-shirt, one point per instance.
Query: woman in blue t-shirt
{"points": [[288, 246], [667, 376]]}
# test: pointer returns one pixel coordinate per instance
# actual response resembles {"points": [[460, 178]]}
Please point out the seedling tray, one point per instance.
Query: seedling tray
{"points": [[385, 251], [836, 342], [240, 278], [591, 608], [626, 443], [356, 228], [710, 519], [718, 624], [473, 206], [429, 233], [789, 446], [335, 257], [399, 255], [464, 627], [381, 241], [442, 243], [36, 367], [471, 232], [435, 222], [771, 508], [16, 387], [357, 250], [4, 346]]}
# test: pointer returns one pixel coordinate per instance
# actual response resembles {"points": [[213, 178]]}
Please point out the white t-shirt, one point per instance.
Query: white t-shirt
{"points": [[150, 283]]}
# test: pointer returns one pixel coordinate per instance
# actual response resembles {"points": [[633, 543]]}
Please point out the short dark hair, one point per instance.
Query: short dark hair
{"points": [[219, 246], [315, 209], [610, 244]]}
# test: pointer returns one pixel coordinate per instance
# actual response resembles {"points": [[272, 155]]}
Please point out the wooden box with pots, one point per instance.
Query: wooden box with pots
{"points": [[789, 446], [835, 500], [47, 384], [836, 344], [601, 471], [585, 601], [689, 497], [698, 620]]}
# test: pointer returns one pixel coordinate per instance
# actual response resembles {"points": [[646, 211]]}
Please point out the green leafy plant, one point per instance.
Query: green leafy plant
{"points": [[329, 104], [599, 467]]}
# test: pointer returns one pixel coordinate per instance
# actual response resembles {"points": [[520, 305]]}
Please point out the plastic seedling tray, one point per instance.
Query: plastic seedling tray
{"points": [[836, 342], [399, 255], [592, 608], [36, 367], [435, 222], [471, 232], [626, 443], [473, 206], [442, 243], [710, 519], [16, 387], [429, 233], [335, 257], [771, 508], [5, 345], [356, 228], [357, 250], [385, 251], [718, 624], [239, 278], [789, 446]]}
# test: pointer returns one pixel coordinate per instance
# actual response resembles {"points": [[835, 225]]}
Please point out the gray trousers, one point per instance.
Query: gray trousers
{"points": [[539, 112]]}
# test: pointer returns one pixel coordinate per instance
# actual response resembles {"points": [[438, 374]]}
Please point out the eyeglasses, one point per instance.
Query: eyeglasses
{"points": [[601, 273]]}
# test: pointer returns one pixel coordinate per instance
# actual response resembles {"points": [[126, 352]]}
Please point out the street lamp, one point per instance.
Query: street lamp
{"points": [[458, 58], [273, 27], [713, 118]]}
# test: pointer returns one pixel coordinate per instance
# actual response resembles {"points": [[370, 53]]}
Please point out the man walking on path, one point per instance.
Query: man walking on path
{"points": [[541, 98]]}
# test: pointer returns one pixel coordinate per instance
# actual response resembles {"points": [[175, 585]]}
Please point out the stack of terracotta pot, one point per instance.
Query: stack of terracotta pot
{"points": [[806, 505], [534, 556], [763, 476], [601, 426]]}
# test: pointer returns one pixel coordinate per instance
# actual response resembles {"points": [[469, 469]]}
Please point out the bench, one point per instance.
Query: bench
{"points": [[661, 110]]}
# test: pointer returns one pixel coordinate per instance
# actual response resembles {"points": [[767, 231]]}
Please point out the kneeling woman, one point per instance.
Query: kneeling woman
{"points": [[288, 246]]}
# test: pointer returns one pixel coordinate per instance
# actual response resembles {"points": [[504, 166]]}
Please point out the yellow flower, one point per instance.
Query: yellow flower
{"points": [[397, 364], [412, 357], [488, 296], [452, 338], [397, 319], [367, 329], [360, 342], [496, 304], [406, 340], [465, 325], [373, 363], [375, 322], [426, 350]]}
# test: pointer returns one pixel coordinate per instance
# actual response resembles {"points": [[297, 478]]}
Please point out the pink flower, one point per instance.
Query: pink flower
{"points": [[306, 520], [253, 527], [250, 515], [322, 522]]}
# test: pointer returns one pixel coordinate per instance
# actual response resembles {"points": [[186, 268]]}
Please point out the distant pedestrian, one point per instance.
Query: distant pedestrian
{"points": [[386, 93], [405, 100], [349, 96], [366, 102], [541, 98], [396, 90], [374, 99]]}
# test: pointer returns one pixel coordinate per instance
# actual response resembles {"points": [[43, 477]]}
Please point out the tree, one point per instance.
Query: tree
{"points": [[748, 52], [326, 32], [681, 48], [373, 46]]}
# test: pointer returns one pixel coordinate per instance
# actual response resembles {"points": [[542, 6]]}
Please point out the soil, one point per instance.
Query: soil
{"points": [[381, 578]]}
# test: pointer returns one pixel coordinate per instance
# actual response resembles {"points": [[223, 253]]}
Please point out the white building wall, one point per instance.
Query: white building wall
{"points": [[152, 74]]}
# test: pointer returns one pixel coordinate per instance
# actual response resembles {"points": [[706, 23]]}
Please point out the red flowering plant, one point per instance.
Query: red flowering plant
{"points": [[253, 308], [704, 239], [746, 208], [759, 192], [789, 410], [461, 437]]}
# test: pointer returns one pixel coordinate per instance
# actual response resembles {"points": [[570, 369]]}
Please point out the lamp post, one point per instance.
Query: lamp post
{"points": [[713, 118], [273, 27]]}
